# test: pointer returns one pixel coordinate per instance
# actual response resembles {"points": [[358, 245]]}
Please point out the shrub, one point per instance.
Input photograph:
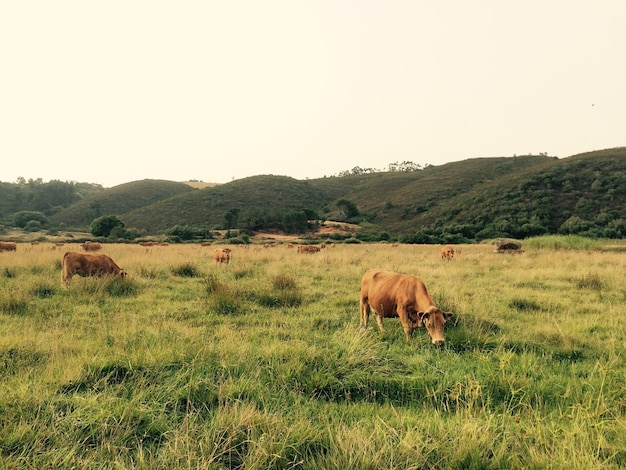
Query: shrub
{"points": [[22, 218], [33, 226], [103, 226]]}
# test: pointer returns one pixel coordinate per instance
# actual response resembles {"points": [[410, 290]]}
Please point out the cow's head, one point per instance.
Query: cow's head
{"points": [[123, 274], [434, 319]]}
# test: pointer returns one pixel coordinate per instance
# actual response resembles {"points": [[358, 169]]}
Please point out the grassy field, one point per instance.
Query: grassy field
{"points": [[262, 363]]}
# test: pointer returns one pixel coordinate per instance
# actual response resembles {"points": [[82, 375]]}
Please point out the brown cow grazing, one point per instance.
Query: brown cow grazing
{"points": [[222, 255], [8, 246], [308, 249], [391, 295], [90, 246], [88, 264], [447, 252]]}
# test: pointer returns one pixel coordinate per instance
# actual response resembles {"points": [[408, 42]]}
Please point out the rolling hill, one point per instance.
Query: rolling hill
{"points": [[118, 200], [467, 200], [256, 196]]}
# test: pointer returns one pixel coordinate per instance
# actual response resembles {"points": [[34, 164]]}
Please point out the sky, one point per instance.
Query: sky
{"points": [[124, 90]]}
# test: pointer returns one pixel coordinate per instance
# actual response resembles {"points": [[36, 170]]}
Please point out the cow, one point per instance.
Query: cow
{"points": [[508, 246], [90, 246], [222, 255], [8, 246], [392, 295], [88, 264], [447, 252], [308, 249]]}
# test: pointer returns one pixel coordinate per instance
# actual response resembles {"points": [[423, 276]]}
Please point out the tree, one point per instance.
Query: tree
{"points": [[20, 219], [574, 225], [405, 166], [231, 218], [295, 222], [102, 226], [347, 209]]}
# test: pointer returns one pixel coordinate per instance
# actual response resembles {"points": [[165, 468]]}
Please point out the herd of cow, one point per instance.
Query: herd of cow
{"points": [[387, 294]]}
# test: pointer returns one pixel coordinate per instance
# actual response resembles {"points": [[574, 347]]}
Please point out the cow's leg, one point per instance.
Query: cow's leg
{"points": [[380, 314], [365, 311], [379, 320], [406, 322]]}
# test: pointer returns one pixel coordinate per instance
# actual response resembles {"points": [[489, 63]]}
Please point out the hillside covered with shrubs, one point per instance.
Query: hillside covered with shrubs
{"points": [[472, 200]]}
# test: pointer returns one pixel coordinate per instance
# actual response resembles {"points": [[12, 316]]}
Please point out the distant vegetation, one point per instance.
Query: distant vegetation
{"points": [[461, 202]]}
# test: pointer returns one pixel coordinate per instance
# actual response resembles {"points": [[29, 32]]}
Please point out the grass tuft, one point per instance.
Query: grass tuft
{"points": [[185, 270], [117, 287], [591, 281], [14, 302], [524, 305], [15, 359], [9, 273], [44, 290]]}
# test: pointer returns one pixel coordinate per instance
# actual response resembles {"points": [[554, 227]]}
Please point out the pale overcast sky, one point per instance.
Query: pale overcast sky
{"points": [[114, 91]]}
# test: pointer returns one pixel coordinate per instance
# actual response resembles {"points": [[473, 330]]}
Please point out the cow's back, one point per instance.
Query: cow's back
{"points": [[387, 289]]}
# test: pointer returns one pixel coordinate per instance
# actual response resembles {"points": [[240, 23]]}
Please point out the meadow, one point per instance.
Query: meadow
{"points": [[263, 364]]}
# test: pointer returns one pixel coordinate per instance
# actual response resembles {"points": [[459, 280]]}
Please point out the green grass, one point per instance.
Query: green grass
{"points": [[262, 363]]}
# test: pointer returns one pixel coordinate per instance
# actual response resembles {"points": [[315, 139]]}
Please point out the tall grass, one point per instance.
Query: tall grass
{"points": [[563, 242], [262, 363]]}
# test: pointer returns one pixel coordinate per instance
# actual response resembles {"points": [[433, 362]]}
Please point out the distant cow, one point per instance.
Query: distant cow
{"points": [[509, 246], [88, 264], [447, 252], [222, 255], [8, 246], [392, 295], [308, 249], [90, 246]]}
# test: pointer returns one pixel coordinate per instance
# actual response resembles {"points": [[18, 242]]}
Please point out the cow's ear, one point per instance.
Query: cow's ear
{"points": [[448, 315], [421, 316]]}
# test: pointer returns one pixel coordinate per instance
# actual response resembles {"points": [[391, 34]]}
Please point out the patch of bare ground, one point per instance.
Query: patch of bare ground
{"points": [[327, 228], [200, 184]]}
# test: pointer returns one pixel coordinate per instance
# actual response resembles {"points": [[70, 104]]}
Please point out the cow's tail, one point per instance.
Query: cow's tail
{"points": [[65, 269]]}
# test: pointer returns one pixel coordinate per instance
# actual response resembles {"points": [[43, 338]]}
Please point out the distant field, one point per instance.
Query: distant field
{"points": [[262, 363]]}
